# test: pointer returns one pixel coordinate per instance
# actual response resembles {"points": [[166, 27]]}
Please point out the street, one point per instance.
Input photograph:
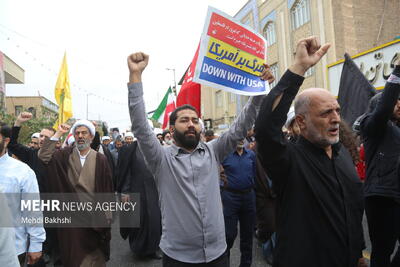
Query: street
{"points": [[121, 255]]}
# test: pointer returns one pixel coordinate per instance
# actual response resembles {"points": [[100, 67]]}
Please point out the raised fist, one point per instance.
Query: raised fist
{"points": [[308, 53], [63, 128], [24, 116], [137, 62]]}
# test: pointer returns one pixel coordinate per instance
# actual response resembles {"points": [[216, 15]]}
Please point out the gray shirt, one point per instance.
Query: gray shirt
{"points": [[193, 229]]}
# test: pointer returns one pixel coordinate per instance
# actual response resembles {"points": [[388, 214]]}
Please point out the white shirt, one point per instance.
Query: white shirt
{"points": [[17, 177], [83, 157]]}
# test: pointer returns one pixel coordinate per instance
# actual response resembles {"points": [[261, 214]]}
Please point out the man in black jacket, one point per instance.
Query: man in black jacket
{"points": [[26, 154], [381, 137], [29, 156], [319, 196]]}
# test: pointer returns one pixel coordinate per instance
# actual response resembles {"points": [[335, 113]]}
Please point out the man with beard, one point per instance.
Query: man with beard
{"points": [[187, 175], [238, 199], [34, 143], [128, 138], [17, 178], [79, 169], [319, 196], [167, 138]]}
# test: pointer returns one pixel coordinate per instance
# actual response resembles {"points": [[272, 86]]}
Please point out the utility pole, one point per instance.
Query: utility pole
{"points": [[173, 89], [87, 105]]}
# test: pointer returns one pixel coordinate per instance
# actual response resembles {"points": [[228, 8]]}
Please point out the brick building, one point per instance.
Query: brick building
{"points": [[351, 26]]}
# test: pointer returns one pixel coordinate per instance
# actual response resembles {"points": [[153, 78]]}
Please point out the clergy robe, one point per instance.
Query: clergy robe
{"points": [[79, 247], [134, 177]]}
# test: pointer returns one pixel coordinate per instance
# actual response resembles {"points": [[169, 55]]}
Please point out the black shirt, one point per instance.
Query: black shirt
{"points": [[319, 204]]}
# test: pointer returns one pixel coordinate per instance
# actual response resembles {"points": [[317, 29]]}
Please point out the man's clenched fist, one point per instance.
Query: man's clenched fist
{"points": [[137, 62], [63, 128], [23, 117]]}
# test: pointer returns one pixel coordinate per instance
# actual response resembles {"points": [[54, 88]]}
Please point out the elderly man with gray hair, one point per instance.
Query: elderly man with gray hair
{"points": [[319, 196], [78, 169]]}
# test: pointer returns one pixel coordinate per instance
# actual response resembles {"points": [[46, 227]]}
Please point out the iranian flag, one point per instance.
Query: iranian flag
{"points": [[165, 108]]}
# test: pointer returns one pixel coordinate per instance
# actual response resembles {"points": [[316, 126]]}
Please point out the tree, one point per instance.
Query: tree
{"points": [[28, 128]]}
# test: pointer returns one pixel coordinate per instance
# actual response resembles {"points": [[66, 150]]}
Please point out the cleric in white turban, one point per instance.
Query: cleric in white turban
{"points": [[79, 169]]}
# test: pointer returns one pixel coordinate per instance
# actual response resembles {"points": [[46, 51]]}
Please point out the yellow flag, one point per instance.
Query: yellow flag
{"points": [[63, 94]]}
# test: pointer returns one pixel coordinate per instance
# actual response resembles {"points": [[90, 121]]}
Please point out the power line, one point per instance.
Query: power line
{"points": [[55, 73]]}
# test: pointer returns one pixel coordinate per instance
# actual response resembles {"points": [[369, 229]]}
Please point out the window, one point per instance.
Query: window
{"points": [[274, 71], [218, 98], [33, 111], [269, 33], [300, 13], [18, 110]]}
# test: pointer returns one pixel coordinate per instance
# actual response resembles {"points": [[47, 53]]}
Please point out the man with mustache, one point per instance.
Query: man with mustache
{"points": [[187, 175], [34, 143], [79, 169], [129, 138], [319, 196]]}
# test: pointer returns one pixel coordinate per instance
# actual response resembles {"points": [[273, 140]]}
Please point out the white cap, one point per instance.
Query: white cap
{"points": [[290, 117], [86, 123], [35, 135], [105, 138], [128, 134]]}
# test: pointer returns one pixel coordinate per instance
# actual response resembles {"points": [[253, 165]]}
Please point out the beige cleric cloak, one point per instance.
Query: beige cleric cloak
{"points": [[65, 175]]}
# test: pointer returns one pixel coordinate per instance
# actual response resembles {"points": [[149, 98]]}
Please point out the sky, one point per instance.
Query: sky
{"points": [[97, 37]]}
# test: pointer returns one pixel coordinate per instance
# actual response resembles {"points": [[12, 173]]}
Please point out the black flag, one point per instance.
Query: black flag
{"points": [[355, 91]]}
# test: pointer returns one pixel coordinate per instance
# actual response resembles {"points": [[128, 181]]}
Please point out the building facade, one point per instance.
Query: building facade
{"points": [[351, 26], [37, 105], [10, 73]]}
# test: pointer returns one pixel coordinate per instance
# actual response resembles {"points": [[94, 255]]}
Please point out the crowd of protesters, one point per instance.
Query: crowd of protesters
{"points": [[298, 179]]}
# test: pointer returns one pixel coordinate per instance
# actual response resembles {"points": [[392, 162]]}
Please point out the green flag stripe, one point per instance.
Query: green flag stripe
{"points": [[160, 109]]}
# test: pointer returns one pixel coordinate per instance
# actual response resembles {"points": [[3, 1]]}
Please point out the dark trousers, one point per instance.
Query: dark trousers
{"points": [[240, 207], [221, 261], [383, 215]]}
